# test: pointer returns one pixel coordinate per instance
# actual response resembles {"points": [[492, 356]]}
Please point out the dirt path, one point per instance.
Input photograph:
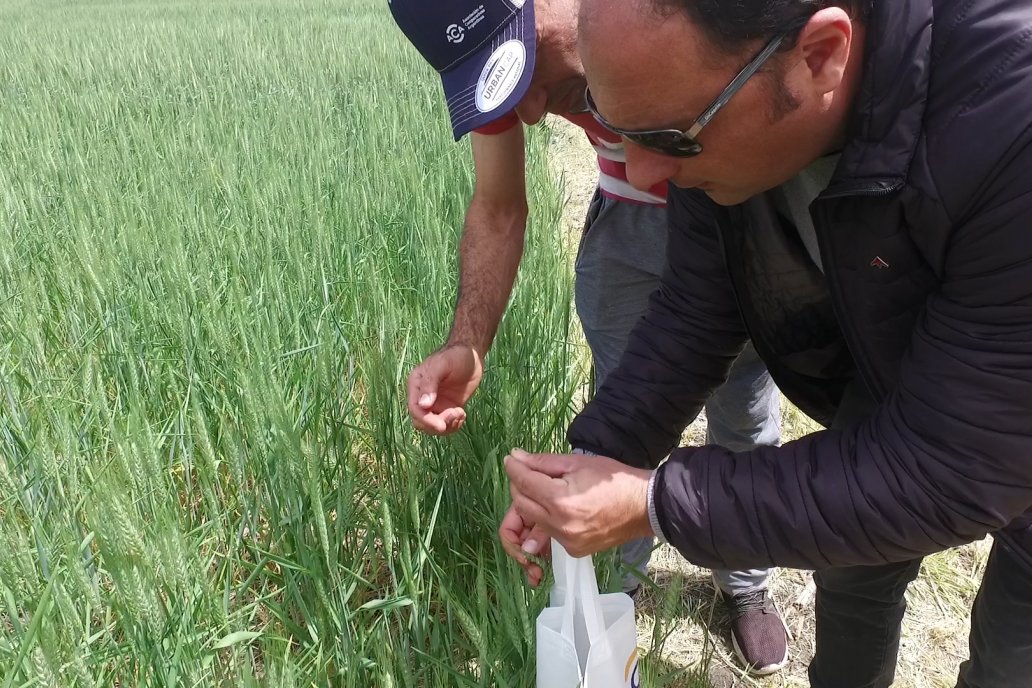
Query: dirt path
{"points": [[682, 608]]}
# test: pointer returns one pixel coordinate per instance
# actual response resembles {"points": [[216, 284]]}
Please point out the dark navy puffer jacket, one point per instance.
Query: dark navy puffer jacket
{"points": [[926, 241]]}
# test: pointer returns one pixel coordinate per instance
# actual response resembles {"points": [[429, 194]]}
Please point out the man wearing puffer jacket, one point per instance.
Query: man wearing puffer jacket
{"points": [[851, 189]]}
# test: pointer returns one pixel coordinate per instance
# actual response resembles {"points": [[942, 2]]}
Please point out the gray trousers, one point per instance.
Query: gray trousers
{"points": [[621, 257]]}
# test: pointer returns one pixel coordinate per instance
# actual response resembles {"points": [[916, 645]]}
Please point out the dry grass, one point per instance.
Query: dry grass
{"points": [[682, 618]]}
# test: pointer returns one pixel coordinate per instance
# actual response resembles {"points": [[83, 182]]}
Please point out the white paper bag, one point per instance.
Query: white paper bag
{"points": [[585, 639]]}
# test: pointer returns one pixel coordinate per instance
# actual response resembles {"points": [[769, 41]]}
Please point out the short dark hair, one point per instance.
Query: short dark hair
{"points": [[732, 24]]}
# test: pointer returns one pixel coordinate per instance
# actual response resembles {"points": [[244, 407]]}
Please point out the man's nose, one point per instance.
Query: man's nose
{"points": [[645, 168]]}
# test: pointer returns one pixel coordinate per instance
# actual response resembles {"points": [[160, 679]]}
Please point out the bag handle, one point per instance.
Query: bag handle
{"points": [[580, 587], [565, 594], [591, 605]]}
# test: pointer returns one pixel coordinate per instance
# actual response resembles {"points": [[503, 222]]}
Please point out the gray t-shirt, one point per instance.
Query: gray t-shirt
{"points": [[793, 198]]}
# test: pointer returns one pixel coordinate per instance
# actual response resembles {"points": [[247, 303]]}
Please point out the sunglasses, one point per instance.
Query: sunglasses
{"points": [[684, 144]]}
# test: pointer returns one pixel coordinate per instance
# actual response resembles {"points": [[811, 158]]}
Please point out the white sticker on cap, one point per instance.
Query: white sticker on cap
{"points": [[501, 74]]}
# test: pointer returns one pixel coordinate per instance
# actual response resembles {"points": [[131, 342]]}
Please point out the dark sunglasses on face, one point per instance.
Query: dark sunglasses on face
{"points": [[684, 144]]}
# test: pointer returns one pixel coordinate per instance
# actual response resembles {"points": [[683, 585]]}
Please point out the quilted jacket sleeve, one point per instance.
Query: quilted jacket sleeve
{"points": [[679, 352], [944, 460]]}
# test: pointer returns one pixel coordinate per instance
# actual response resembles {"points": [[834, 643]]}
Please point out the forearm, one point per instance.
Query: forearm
{"points": [[932, 468], [489, 258]]}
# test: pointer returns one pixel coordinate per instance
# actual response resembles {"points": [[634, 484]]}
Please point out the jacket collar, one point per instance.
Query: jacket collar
{"points": [[890, 101]]}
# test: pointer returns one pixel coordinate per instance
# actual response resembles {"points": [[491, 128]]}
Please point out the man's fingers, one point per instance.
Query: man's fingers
{"points": [[430, 423], [553, 465], [534, 575], [512, 526], [530, 482], [537, 542], [444, 423], [453, 417], [421, 385], [511, 533], [532, 512], [515, 553], [416, 412]]}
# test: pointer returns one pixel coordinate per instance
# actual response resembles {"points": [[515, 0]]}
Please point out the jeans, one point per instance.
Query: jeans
{"points": [[621, 258]]}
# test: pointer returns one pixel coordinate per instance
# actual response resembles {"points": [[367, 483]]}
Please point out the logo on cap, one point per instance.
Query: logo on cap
{"points": [[500, 75], [455, 33]]}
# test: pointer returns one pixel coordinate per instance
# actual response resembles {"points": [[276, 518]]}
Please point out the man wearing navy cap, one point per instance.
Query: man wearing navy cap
{"points": [[505, 63]]}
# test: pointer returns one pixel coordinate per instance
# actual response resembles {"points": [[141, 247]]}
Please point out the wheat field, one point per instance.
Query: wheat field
{"points": [[228, 230]]}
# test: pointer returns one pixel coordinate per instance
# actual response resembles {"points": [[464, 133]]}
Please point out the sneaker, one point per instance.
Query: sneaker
{"points": [[758, 633]]}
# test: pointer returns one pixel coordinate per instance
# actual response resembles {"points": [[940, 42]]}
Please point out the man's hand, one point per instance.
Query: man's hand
{"points": [[520, 538], [587, 503], [440, 386]]}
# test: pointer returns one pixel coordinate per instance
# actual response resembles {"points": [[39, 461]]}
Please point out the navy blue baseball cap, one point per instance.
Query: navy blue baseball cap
{"points": [[483, 49]]}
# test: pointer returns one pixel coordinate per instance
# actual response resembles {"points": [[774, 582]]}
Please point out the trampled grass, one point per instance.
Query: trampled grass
{"points": [[228, 230]]}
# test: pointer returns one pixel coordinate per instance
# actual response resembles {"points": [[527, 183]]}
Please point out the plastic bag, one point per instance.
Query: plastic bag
{"points": [[585, 639]]}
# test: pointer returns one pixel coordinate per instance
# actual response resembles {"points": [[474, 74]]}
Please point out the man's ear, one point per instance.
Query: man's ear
{"points": [[824, 45]]}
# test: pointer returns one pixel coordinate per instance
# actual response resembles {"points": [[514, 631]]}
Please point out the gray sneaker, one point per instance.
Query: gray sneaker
{"points": [[758, 633]]}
